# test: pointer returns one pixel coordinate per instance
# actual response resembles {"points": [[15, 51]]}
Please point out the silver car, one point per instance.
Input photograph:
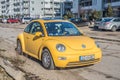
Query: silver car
{"points": [[110, 23]]}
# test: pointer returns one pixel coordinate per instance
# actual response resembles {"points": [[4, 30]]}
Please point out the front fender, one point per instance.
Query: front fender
{"points": [[51, 46]]}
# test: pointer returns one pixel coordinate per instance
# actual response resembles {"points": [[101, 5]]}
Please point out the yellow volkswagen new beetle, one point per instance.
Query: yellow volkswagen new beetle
{"points": [[58, 43]]}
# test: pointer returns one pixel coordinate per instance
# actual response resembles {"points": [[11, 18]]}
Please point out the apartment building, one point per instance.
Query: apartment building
{"points": [[86, 6], [51, 8], [0, 11], [67, 6], [75, 9], [115, 4], [31, 8]]}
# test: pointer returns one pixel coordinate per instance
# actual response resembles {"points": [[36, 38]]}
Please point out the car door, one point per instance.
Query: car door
{"points": [[26, 36], [34, 41]]}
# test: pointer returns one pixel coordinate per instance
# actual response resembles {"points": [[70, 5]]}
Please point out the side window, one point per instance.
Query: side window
{"points": [[36, 27], [116, 20], [28, 28], [119, 19]]}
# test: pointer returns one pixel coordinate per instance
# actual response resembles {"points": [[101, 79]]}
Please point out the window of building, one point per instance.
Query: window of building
{"points": [[32, 9], [32, 2]]}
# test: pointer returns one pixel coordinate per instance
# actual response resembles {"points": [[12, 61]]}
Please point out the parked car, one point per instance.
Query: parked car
{"points": [[0, 20], [112, 23], [79, 21], [26, 20], [4, 20], [58, 43], [98, 22], [12, 20]]}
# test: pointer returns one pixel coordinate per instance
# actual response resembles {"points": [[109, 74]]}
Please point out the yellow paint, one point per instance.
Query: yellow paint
{"points": [[73, 45]]}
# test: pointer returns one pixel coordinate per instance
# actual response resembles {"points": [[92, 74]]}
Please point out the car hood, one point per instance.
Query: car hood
{"points": [[76, 42]]}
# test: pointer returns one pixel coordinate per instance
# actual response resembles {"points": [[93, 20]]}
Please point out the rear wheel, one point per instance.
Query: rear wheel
{"points": [[19, 47], [47, 60], [114, 28]]}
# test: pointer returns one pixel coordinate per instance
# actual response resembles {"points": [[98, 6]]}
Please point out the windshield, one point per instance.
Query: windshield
{"points": [[61, 29], [27, 18]]}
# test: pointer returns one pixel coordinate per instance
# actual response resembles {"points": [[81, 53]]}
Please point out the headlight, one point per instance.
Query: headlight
{"points": [[97, 44], [60, 47]]}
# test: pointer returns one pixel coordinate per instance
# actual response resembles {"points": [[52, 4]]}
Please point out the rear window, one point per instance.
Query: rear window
{"points": [[27, 18]]}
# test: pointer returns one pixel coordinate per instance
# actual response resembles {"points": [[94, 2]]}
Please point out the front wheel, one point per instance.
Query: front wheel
{"points": [[47, 60]]}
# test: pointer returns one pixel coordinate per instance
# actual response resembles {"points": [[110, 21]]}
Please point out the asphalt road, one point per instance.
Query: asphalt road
{"points": [[107, 69]]}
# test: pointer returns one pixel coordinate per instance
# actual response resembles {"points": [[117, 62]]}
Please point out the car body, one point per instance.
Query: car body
{"points": [[26, 20], [58, 43], [4, 20], [12, 20], [110, 23], [99, 21]]}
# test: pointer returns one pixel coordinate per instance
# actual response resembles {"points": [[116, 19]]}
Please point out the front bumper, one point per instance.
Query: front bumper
{"points": [[74, 60]]}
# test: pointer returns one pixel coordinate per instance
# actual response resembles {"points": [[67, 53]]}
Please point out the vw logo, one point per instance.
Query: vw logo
{"points": [[83, 46]]}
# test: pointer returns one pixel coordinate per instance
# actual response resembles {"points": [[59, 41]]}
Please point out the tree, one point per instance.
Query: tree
{"points": [[96, 14], [65, 17], [68, 15], [109, 11]]}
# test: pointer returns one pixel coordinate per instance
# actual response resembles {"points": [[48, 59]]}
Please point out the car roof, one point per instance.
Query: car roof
{"points": [[44, 21]]}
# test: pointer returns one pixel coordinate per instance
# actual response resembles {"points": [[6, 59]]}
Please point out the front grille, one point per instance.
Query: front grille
{"points": [[82, 63]]}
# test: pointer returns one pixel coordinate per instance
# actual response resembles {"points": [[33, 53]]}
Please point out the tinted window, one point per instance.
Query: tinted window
{"points": [[36, 27], [61, 29], [28, 28], [117, 20], [27, 18]]}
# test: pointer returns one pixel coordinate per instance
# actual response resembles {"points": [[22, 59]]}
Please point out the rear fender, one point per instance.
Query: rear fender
{"points": [[21, 38]]}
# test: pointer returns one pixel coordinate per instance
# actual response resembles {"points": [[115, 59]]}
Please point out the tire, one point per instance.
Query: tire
{"points": [[114, 29], [95, 27], [19, 48], [47, 60]]}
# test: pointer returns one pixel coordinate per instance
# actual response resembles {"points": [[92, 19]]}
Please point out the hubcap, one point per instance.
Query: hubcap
{"points": [[46, 59]]}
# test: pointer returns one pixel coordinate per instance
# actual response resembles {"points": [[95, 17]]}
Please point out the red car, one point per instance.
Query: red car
{"points": [[12, 20]]}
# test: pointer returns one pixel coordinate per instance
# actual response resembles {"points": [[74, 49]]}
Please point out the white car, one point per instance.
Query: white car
{"points": [[26, 20], [4, 20]]}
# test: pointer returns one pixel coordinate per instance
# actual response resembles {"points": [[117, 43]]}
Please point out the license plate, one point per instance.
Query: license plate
{"points": [[86, 58]]}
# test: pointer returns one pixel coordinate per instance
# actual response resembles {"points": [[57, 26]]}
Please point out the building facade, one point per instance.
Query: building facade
{"points": [[31, 8], [67, 6], [115, 4], [75, 9], [0, 10], [87, 6]]}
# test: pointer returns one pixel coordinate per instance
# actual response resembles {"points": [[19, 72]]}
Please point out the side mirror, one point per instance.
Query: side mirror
{"points": [[38, 34]]}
